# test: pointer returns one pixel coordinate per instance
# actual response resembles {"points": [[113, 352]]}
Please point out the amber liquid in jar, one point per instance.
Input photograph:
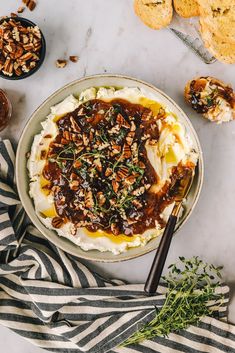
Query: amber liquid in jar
{"points": [[5, 110]]}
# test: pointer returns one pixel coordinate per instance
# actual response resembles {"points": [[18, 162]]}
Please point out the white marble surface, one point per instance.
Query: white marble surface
{"points": [[108, 37]]}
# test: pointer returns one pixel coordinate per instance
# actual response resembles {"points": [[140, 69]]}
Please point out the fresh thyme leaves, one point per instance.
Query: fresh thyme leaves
{"points": [[210, 101], [135, 168], [68, 150], [191, 290], [121, 136]]}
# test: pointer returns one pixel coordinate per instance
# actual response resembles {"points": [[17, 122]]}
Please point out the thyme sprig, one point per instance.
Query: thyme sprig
{"points": [[191, 293]]}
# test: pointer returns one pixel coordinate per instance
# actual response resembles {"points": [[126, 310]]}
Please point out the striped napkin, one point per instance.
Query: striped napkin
{"points": [[52, 299]]}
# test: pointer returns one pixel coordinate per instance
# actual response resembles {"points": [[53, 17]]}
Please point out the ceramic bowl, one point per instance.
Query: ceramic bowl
{"points": [[33, 127], [27, 23]]}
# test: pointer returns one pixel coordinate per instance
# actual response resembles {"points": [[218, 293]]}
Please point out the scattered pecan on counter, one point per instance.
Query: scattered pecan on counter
{"points": [[31, 4]]}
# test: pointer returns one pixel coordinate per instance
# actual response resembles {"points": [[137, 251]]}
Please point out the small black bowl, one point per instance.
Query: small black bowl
{"points": [[26, 23]]}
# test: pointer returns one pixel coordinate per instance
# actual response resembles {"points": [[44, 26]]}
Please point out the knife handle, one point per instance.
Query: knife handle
{"points": [[160, 257]]}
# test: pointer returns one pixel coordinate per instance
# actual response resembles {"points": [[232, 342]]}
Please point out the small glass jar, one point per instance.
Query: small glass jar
{"points": [[5, 110]]}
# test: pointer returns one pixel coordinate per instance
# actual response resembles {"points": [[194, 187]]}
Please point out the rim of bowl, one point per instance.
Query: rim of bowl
{"points": [[9, 109], [199, 167], [42, 54]]}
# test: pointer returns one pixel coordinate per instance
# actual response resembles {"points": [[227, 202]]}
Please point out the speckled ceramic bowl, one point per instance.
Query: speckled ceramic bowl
{"points": [[27, 23], [33, 127]]}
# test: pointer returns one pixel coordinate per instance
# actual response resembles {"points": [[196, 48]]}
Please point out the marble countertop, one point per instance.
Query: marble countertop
{"points": [[109, 38]]}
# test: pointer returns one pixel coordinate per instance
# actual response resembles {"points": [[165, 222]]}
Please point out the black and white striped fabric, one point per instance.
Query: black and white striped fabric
{"points": [[53, 300]]}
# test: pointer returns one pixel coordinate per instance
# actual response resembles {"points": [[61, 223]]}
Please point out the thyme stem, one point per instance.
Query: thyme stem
{"points": [[190, 288]]}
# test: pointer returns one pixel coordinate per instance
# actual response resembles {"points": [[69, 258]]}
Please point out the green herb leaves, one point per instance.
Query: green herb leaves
{"points": [[190, 295]]}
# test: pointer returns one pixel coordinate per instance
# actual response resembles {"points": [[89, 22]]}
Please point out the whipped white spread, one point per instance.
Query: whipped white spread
{"points": [[174, 146]]}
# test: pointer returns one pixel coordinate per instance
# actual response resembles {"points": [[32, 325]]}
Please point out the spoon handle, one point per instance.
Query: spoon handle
{"points": [[160, 257]]}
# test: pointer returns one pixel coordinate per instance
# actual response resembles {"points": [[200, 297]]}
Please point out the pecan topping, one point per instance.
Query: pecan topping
{"points": [[114, 228], [57, 222], [108, 172], [130, 137], [75, 125], [101, 198], [115, 186], [116, 149], [123, 172], [89, 202], [126, 151], [98, 169], [122, 122], [98, 164]]}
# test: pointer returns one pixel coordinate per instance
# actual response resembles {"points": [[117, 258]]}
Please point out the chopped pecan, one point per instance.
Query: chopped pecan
{"points": [[74, 176], [31, 4], [114, 228], [77, 164], [103, 146], [126, 151], [135, 157], [85, 139], [130, 180], [20, 9], [122, 121], [75, 125], [101, 198], [57, 222], [137, 204], [74, 185], [83, 224], [73, 229], [25, 68], [116, 149], [8, 67], [133, 126], [28, 46], [67, 135], [114, 130], [115, 185], [108, 172], [61, 63], [10, 47], [130, 137], [18, 52], [147, 115], [123, 172], [26, 57], [98, 164], [141, 165], [64, 141], [139, 191], [91, 135], [89, 202], [80, 112], [145, 137], [73, 58]]}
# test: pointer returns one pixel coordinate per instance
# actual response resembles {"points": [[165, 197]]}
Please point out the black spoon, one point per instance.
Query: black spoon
{"points": [[161, 255]]}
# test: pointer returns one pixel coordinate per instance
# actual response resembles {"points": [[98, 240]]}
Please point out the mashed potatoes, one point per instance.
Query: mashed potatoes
{"points": [[172, 148]]}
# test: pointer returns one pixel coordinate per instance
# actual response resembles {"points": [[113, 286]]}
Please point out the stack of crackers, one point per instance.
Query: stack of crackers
{"points": [[216, 18]]}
